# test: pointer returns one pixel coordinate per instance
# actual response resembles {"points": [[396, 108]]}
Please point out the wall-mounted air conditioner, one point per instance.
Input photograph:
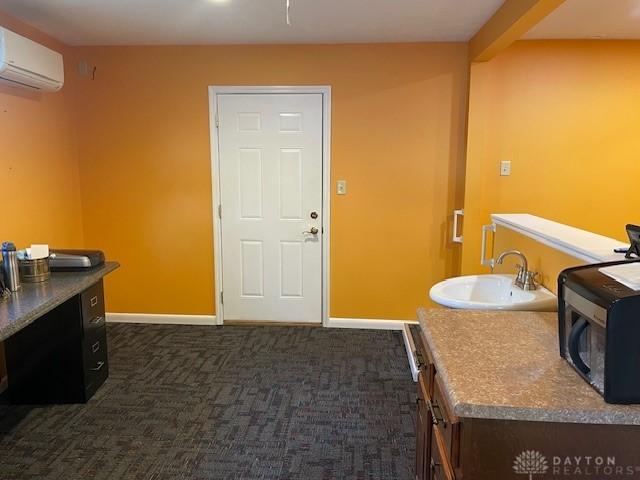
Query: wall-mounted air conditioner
{"points": [[25, 63]]}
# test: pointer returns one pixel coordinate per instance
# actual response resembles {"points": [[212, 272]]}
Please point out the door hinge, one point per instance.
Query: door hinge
{"points": [[221, 298], [220, 211], [217, 120]]}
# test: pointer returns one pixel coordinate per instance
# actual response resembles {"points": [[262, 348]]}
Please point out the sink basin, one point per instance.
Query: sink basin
{"points": [[491, 292]]}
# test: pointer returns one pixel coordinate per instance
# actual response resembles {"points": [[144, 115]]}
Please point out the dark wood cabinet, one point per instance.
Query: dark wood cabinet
{"points": [[437, 430], [452, 448], [62, 356], [423, 434]]}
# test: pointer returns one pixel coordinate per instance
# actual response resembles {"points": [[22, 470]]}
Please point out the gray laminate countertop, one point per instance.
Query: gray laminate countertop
{"points": [[506, 365], [33, 300]]}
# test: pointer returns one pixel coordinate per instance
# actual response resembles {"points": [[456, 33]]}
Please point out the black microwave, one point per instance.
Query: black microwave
{"points": [[599, 331]]}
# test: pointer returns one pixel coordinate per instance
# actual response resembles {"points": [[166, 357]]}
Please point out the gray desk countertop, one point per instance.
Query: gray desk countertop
{"points": [[506, 365], [35, 299]]}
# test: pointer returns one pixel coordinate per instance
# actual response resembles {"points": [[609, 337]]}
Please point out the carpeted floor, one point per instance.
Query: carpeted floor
{"points": [[187, 402]]}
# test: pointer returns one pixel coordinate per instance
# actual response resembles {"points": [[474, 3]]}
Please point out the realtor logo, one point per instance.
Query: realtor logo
{"points": [[530, 463]]}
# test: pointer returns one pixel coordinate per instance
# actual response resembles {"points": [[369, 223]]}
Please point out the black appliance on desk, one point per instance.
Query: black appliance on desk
{"points": [[599, 330], [62, 260]]}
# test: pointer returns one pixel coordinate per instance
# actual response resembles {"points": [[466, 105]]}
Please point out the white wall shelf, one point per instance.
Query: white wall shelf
{"points": [[587, 246]]}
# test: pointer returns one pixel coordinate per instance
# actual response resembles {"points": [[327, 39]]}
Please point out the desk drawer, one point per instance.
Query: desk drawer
{"points": [[92, 300], [94, 352]]}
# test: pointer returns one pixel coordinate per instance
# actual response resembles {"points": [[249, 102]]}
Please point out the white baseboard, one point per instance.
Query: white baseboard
{"points": [[163, 319], [365, 323], [410, 347], [369, 323]]}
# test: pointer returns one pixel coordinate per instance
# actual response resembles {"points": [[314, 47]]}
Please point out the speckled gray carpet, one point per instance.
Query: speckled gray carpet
{"points": [[229, 402]]}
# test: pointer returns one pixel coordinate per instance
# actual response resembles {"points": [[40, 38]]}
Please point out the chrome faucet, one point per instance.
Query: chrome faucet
{"points": [[525, 279]]}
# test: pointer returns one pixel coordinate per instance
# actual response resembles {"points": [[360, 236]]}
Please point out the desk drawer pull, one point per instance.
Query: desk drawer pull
{"points": [[95, 347], [94, 301], [98, 367], [99, 320]]}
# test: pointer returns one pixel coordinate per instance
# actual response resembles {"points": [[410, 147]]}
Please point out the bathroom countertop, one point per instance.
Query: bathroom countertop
{"points": [[507, 365], [33, 300]]}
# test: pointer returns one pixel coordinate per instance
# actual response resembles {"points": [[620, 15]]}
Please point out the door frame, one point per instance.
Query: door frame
{"points": [[214, 92]]}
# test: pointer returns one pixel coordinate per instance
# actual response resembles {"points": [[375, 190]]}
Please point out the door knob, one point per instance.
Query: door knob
{"points": [[312, 231]]}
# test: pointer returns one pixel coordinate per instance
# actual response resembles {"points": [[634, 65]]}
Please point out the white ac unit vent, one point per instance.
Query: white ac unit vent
{"points": [[25, 63]]}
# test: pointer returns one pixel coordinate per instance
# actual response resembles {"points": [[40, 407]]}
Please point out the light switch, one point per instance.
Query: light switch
{"points": [[505, 168], [341, 187]]}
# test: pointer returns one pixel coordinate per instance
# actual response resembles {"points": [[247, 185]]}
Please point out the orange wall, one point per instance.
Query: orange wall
{"points": [[40, 179], [567, 114], [397, 137]]}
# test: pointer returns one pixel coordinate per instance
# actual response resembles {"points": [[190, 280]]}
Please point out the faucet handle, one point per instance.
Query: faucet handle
{"points": [[530, 282]]}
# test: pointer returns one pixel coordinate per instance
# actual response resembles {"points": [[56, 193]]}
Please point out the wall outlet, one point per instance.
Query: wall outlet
{"points": [[505, 168], [341, 187]]}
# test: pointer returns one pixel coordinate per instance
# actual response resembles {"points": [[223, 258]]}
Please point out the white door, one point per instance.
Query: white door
{"points": [[271, 197]]}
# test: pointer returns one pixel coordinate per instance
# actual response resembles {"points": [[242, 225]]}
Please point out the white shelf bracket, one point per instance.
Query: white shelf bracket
{"points": [[456, 215], [487, 262]]}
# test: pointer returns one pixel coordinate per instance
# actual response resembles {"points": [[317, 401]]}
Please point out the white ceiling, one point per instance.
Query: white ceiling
{"points": [[176, 22], [616, 19]]}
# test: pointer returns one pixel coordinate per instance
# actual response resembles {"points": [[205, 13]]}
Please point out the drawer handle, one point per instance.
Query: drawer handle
{"points": [[417, 357], [95, 347], [98, 320], [98, 367], [434, 465], [436, 414], [94, 301]]}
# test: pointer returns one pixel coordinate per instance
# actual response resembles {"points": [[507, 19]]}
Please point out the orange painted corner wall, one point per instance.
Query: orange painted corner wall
{"points": [[398, 114], [566, 114], [39, 177]]}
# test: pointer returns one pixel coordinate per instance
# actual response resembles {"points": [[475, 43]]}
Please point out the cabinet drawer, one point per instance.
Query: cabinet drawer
{"points": [[446, 424], [92, 326], [92, 300], [440, 468], [95, 359], [423, 358]]}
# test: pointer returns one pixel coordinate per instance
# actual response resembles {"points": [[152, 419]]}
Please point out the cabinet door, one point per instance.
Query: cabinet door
{"points": [[439, 466], [424, 427], [422, 456]]}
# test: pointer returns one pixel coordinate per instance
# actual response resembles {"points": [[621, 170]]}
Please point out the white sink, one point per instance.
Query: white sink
{"points": [[491, 292]]}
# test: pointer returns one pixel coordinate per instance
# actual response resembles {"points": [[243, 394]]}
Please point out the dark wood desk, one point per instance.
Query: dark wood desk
{"points": [[55, 338]]}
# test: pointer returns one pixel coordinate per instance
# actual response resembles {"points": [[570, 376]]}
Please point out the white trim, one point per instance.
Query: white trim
{"points": [[581, 244], [363, 323], [325, 91], [373, 324], [161, 319], [370, 323], [410, 347]]}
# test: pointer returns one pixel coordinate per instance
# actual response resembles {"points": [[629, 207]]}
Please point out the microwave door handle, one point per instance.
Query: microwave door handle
{"points": [[574, 344]]}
